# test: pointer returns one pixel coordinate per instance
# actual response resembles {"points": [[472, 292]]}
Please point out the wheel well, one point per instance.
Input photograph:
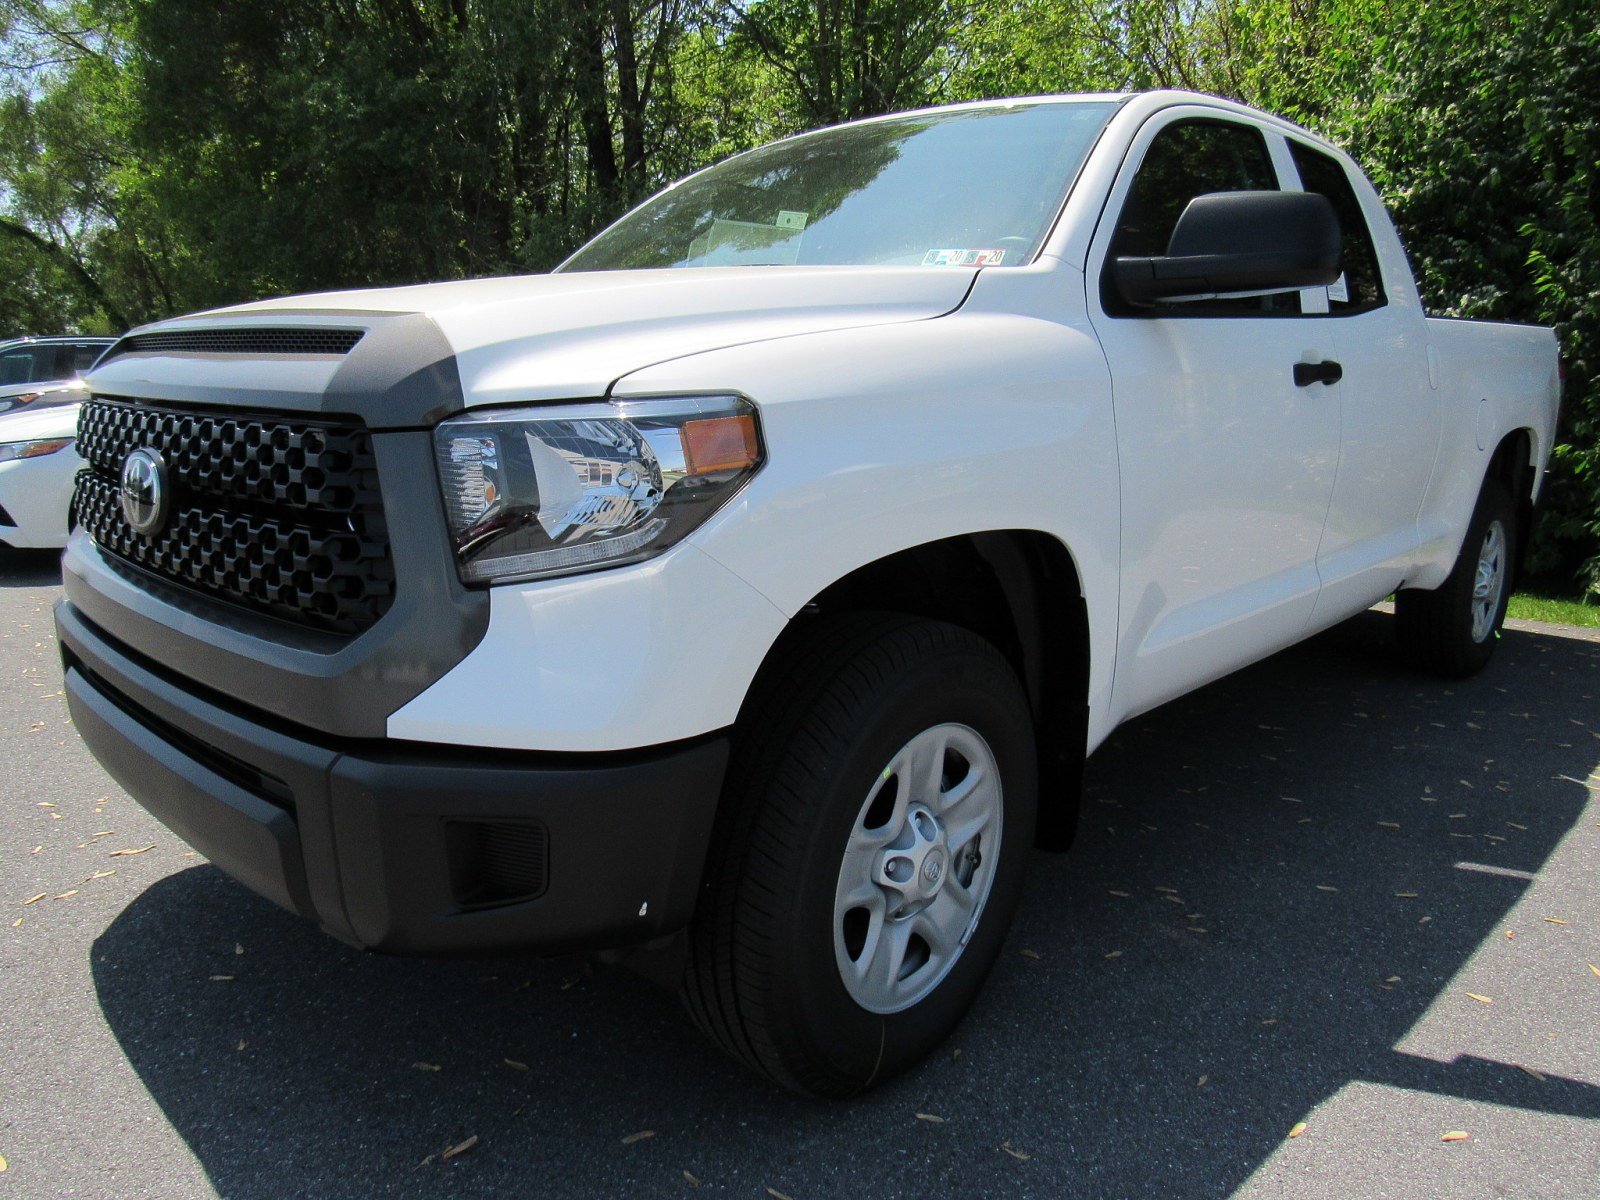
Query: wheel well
{"points": [[1512, 464], [1019, 590]]}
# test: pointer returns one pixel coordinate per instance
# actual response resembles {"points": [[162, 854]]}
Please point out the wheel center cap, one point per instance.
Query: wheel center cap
{"points": [[932, 871]]}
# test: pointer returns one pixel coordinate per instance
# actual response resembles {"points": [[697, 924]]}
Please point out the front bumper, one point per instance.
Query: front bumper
{"points": [[398, 846]]}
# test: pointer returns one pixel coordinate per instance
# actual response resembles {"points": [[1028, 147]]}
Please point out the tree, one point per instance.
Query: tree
{"points": [[844, 61]]}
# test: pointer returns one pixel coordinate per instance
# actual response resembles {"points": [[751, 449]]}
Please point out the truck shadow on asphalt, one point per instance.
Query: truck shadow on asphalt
{"points": [[29, 568], [316, 1070]]}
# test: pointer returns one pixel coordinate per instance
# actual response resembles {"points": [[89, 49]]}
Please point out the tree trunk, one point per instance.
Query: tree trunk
{"points": [[76, 269]]}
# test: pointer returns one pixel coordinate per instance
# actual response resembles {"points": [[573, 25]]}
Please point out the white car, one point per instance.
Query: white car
{"points": [[38, 462], [31, 367], [743, 598]]}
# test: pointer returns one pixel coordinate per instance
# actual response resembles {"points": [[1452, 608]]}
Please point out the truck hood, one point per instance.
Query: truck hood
{"points": [[538, 337]]}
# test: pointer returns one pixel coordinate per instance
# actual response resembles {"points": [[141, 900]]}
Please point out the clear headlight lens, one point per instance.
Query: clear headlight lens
{"points": [[534, 492], [10, 451]]}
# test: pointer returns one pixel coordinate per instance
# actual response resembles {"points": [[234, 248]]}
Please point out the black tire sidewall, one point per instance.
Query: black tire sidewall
{"points": [[1494, 503], [856, 1047]]}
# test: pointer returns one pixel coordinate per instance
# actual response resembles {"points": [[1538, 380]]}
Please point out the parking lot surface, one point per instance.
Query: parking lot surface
{"points": [[1321, 893]]}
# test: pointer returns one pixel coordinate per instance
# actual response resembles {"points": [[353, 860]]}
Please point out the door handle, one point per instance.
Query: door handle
{"points": [[1327, 371]]}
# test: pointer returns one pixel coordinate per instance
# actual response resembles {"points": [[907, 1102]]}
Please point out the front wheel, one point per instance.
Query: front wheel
{"points": [[879, 810], [1451, 631]]}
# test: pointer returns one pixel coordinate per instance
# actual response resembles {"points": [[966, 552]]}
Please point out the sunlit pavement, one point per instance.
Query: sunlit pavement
{"points": [[1323, 892]]}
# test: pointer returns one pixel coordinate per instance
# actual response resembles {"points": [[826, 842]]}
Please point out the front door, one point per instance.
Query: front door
{"points": [[1227, 464]]}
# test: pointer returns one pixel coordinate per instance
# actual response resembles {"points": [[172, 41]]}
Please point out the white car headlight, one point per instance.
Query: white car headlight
{"points": [[551, 490], [10, 451]]}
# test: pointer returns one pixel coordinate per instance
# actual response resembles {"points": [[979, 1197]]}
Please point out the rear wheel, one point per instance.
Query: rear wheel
{"points": [[1451, 631], [879, 811]]}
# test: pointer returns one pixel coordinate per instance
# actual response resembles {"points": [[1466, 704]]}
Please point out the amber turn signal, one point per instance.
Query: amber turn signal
{"points": [[720, 444]]}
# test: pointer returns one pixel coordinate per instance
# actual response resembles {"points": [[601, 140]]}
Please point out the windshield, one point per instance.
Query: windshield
{"points": [[972, 187]]}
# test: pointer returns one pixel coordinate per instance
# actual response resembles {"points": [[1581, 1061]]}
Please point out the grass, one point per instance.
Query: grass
{"points": [[1560, 612]]}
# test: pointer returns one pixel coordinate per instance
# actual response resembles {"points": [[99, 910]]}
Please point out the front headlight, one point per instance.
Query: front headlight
{"points": [[534, 492], [14, 450]]}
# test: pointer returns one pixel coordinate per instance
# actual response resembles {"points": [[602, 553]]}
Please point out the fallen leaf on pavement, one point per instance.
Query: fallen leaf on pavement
{"points": [[1405, 895], [4, 1166], [691, 1178], [1455, 1135], [1537, 1075], [638, 1137], [1480, 999], [422, 1066], [1115, 954], [1031, 954], [1594, 968], [1299, 1128], [515, 1065], [931, 1118], [222, 979], [459, 1148], [1019, 1155], [1202, 1081], [777, 1195], [34, 899], [1390, 824], [1323, 887], [130, 853], [66, 894], [1554, 920], [1124, 895]]}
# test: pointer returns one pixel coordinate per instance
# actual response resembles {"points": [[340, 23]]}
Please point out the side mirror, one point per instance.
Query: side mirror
{"points": [[1233, 243]]}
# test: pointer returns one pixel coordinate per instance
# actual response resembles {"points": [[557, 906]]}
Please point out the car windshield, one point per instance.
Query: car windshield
{"points": [[967, 187]]}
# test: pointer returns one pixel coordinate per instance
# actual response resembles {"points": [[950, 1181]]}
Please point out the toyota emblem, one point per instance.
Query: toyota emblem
{"points": [[144, 491]]}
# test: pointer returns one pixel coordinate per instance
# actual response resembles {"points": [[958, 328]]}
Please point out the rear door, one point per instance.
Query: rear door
{"points": [[1391, 412], [1227, 466]]}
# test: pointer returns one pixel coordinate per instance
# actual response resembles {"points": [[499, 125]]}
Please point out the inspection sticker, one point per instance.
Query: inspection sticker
{"points": [[963, 258]]}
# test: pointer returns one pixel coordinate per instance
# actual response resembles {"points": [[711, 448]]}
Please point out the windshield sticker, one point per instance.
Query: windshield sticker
{"points": [[963, 258], [791, 220]]}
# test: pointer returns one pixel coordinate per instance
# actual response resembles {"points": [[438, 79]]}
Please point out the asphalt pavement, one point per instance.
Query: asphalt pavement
{"points": [[1319, 916]]}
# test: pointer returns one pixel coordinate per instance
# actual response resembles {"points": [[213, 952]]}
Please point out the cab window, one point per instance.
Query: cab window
{"points": [[1185, 160], [1360, 288]]}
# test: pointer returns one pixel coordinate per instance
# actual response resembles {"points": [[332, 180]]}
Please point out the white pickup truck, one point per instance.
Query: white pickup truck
{"points": [[742, 599]]}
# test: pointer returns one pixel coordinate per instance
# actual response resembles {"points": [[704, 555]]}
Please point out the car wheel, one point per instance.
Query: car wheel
{"points": [[1451, 631], [879, 810]]}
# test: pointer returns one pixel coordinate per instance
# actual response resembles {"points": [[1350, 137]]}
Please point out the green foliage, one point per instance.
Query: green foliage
{"points": [[158, 156], [1479, 120]]}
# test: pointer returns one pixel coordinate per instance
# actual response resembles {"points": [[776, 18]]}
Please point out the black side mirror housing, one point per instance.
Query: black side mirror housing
{"points": [[1239, 243]]}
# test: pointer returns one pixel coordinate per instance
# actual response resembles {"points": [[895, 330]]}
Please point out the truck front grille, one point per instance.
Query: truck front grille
{"points": [[270, 511]]}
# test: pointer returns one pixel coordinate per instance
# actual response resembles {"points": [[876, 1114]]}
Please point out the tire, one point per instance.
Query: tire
{"points": [[1451, 631], [813, 801]]}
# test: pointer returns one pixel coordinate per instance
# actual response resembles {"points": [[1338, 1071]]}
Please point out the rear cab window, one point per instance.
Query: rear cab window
{"points": [[1360, 288]]}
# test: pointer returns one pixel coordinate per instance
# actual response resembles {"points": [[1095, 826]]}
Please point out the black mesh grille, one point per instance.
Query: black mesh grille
{"points": [[496, 862], [241, 341], [271, 512]]}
